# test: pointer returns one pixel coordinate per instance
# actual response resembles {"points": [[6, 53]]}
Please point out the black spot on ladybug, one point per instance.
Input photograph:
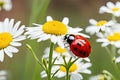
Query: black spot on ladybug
{"points": [[89, 46], [81, 52], [75, 49], [84, 53], [78, 44]]}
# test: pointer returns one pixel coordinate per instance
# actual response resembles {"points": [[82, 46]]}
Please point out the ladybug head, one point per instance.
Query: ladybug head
{"points": [[69, 38]]}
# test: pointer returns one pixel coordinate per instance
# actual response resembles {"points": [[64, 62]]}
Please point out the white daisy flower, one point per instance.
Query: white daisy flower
{"points": [[74, 71], [112, 38], [111, 8], [58, 52], [6, 5], [53, 30], [10, 35], [96, 26]]}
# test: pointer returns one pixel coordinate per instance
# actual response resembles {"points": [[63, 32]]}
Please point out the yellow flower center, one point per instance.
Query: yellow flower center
{"points": [[60, 50], [101, 23], [71, 69], [54, 27], [5, 39], [114, 37], [2, 3], [115, 9]]}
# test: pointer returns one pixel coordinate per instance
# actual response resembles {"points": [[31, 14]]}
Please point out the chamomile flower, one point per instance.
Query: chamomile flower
{"points": [[75, 69], [111, 8], [112, 38], [96, 26], [53, 30], [6, 5], [3, 75], [58, 52], [10, 37]]}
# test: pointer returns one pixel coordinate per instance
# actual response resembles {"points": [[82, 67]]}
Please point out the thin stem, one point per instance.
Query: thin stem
{"points": [[113, 48], [108, 51], [33, 53], [113, 18], [50, 61], [113, 53], [68, 67]]}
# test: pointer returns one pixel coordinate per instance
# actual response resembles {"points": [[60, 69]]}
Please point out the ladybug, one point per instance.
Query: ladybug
{"points": [[79, 45]]}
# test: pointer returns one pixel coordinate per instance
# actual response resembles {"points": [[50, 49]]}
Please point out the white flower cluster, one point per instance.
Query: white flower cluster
{"points": [[78, 67], [107, 31]]}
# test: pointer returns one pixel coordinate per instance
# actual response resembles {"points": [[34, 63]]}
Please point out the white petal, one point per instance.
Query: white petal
{"points": [[8, 6], [91, 29], [117, 59], [60, 74], [53, 39], [87, 59], [3, 72], [12, 49], [103, 9], [5, 25], [15, 44], [60, 42], [110, 5], [20, 38], [1, 55], [49, 18], [8, 52], [65, 20], [117, 44], [119, 51], [19, 32], [118, 4], [102, 40], [92, 21], [16, 26], [76, 77], [105, 44], [100, 35], [43, 74], [84, 35], [74, 30]]}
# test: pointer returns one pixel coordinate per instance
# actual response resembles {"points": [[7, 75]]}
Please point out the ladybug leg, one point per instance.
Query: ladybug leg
{"points": [[66, 45]]}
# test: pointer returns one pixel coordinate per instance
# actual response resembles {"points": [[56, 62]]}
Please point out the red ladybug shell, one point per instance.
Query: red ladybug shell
{"points": [[80, 46]]}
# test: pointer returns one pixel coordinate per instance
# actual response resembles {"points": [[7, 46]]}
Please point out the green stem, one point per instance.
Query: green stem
{"points": [[33, 53], [113, 18], [67, 74], [113, 50], [115, 67], [50, 61]]}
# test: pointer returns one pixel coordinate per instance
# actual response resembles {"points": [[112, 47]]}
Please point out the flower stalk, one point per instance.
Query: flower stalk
{"points": [[50, 61]]}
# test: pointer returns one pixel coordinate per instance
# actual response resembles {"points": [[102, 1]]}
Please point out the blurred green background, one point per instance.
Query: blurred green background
{"points": [[78, 11]]}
